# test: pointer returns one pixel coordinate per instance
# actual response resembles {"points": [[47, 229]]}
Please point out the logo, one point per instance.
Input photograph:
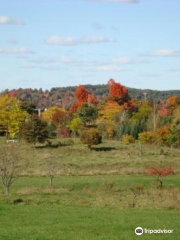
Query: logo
{"points": [[139, 231]]}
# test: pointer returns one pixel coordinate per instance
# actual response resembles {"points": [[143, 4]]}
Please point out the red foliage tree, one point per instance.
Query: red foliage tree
{"points": [[83, 96], [117, 92], [13, 93], [163, 112], [160, 172], [65, 133], [59, 118]]}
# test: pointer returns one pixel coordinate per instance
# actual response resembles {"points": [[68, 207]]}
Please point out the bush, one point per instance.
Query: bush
{"points": [[91, 137], [147, 137], [65, 133], [128, 139]]}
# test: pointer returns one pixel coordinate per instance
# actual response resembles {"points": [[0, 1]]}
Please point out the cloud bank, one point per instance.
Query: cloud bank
{"points": [[165, 53], [21, 50], [70, 41]]}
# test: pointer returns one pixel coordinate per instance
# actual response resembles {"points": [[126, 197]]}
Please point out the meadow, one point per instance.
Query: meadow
{"points": [[103, 194]]}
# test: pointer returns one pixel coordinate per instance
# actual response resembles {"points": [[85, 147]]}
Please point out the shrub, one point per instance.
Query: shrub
{"points": [[163, 134], [111, 133], [147, 137], [159, 173], [65, 133], [128, 139], [91, 137]]}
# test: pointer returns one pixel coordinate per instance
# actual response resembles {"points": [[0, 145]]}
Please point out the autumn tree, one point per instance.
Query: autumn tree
{"points": [[84, 96], [173, 138], [90, 137], [117, 92], [172, 102], [87, 114], [159, 173], [12, 117], [48, 115], [35, 130], [75, 125], [108, 112]]}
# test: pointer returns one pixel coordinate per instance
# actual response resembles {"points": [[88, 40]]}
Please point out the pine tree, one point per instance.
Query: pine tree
{"points": [[35, 130]]}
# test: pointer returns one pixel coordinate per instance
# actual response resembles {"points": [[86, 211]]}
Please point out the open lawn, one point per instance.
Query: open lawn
{"points": [[92, 195]]}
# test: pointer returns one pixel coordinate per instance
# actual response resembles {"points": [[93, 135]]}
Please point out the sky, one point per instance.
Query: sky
{"points": [[56, 43]]}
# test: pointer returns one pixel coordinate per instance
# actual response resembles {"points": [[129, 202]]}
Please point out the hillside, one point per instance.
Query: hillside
{"points": [[64, 95]]}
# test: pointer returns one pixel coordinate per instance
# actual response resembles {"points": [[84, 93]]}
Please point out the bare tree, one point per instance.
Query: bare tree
{"points": [[9, 165], [52, 167]]}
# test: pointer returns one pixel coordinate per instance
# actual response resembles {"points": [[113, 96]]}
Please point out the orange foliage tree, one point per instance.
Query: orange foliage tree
{"points": [[163, 134], [83, 96], [172, 102], [160, 172], [117, 92]]}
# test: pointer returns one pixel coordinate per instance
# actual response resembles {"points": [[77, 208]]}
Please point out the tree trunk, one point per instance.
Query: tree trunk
{"points": [[51, 181], [140, 150], [7, 190], [160, 183]]}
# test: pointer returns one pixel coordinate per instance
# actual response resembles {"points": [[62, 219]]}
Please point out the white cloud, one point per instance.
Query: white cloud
{"points": [[126, 60], [105, 68], [21, 50], [109, 68], [69, 41], [165, 53], [121, 60], [41, 61], [9, 20]]}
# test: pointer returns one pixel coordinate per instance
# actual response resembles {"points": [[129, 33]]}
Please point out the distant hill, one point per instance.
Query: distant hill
{"points": [[63, 96]]}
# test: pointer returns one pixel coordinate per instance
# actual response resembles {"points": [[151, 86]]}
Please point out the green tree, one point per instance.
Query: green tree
{"points": [[35, 130], [87, 114], [28, 107]]}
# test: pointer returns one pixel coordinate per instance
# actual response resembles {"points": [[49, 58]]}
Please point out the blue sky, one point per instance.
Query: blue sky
{"points": [[55, 43]]}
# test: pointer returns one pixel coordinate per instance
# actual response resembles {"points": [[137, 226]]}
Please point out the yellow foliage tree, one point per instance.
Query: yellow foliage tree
{"points": [[11, 116], [48, 114], [109, 111]]}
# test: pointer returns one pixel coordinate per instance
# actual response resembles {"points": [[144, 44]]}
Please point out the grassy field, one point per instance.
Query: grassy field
{"points": [[92, 195]]}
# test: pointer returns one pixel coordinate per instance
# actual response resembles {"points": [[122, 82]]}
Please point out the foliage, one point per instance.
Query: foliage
{"points": [[49, 114], [172, 102], [117, 92], [28, 107], [160, 172], [88, 114], [64, 132], [74, 125], [108, 112], [128, 139], [35, 130], [64, 96], [163, 134], [12, 117], [83, 96], [91, 137], [147, 137]]}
